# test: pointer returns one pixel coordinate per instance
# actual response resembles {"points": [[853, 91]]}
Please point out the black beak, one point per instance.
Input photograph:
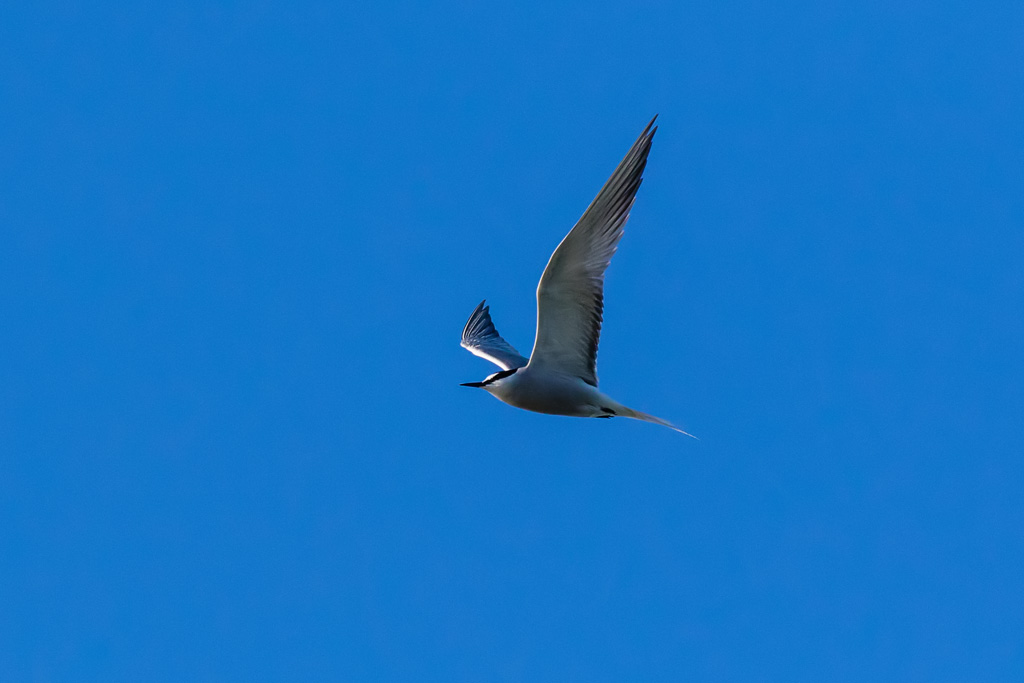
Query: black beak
{"points": [[472, 384]]}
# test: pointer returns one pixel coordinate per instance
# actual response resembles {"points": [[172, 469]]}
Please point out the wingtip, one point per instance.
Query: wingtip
{"points": [[472, 318], [646, 138]]}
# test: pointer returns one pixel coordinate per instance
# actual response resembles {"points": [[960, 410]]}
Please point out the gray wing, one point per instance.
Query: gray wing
{"points": [[481, 338], [570, 296]]}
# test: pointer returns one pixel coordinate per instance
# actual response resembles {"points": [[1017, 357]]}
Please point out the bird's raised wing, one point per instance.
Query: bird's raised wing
{"points": [[570, 296], [480, 338]]}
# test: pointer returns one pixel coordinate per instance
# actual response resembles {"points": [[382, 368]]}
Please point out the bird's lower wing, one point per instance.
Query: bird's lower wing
{"points": [[480, 338], [570, 296]]}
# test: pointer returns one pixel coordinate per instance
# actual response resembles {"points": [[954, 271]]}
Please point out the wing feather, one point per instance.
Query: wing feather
{"points": [[570, 296], [481, 338]]}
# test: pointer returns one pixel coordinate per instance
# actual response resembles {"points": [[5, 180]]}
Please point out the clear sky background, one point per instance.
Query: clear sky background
{"points": [[240, 241]]}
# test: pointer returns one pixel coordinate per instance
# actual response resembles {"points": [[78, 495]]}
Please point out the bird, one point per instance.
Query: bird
{"points": [[560, 376]]}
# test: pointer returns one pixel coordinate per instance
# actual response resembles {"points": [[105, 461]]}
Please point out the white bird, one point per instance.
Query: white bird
{"points": [[560, 377]]}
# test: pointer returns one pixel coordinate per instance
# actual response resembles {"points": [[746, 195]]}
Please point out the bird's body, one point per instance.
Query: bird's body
{"points": [[560, 376], [553, 393]]}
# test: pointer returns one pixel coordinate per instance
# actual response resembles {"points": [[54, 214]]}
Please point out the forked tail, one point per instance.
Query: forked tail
{"points": [[637, 415]]}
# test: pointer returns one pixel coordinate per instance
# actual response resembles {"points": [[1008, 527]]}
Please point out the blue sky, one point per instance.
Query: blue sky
{"points": [[241, 240]]}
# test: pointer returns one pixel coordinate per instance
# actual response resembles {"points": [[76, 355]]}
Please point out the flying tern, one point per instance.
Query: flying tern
{"points": [[560, 376]]}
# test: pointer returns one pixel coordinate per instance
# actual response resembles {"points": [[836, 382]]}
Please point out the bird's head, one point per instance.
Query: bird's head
{"points": [[492, 380]]}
